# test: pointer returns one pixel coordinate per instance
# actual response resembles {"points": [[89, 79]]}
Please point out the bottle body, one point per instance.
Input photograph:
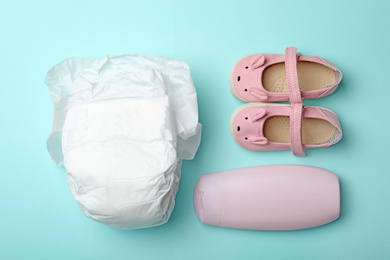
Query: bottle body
{"points": [[275, 197]]}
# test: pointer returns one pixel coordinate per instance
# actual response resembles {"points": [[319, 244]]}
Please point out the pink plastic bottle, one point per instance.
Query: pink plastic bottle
{"points": [[275, 197]]}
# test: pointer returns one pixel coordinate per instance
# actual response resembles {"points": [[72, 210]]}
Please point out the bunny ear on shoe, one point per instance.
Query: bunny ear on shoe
{"points": [[258, 61]]}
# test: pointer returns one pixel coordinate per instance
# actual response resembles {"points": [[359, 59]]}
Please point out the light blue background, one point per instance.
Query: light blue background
{"points": [[39, 218]]}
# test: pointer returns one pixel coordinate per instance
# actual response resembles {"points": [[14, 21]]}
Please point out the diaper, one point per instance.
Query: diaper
{"points": [[121, 128]]}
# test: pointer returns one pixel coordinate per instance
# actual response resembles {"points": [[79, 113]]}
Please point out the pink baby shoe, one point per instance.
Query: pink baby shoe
{"points": [[273, 77], [269, 126]]}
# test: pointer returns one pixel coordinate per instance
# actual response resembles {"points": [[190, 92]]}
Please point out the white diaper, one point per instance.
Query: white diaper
{"points": [[121, 127]]}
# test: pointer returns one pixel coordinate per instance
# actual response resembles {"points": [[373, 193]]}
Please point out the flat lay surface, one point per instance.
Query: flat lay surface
{"points": [[39, 216]]}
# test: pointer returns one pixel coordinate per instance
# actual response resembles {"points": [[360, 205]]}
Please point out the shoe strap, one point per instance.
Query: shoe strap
{"points": [[296, 129], [294, 93]]}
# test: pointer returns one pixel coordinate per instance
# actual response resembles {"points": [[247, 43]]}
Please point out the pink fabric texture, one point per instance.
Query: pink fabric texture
{"points": [[247, 125], [246, 77]]}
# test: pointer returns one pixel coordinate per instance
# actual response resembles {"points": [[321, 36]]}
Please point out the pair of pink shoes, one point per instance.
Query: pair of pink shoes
{"points": [[261, 78]]}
